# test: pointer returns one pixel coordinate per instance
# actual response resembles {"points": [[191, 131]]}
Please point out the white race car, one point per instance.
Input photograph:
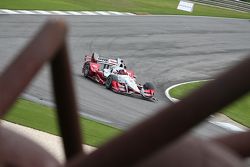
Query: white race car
{"points": [[124, 82]]}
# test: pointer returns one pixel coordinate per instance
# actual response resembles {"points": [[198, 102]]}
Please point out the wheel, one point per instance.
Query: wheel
{"points": [[148, 86], [86, 70], [109, 80]]}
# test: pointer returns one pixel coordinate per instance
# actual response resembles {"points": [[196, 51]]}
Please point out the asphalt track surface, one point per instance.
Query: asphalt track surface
{"points": [[165, 50]]}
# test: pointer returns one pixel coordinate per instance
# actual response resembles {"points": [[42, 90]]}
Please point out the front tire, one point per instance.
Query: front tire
{"points": [[148, 86], [86, 70], [108, 83]]}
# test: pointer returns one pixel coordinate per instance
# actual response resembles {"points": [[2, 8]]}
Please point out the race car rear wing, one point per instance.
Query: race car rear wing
{"points": [[101, 60]]}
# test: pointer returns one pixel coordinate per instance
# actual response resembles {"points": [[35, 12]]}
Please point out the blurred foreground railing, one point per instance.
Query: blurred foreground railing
{"points": [[138, 144], [49, 45]]}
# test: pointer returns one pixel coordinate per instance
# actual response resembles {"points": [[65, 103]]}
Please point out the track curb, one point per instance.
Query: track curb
{"points": [[75, 13], [174, 100], [223, 124]]}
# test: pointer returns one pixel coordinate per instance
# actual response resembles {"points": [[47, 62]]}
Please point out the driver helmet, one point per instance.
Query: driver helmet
{"points": [[122, 72]]}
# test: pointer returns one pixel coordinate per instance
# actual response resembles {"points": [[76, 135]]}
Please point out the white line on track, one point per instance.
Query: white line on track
{"points": [[115, 13], [132, 14], [74, 13], [89, 13], [25, 12], [102, 13], [93, 13], [224, 125], [172, 99], [9, 11], [42, 12], [59, 13], [227, 125]]}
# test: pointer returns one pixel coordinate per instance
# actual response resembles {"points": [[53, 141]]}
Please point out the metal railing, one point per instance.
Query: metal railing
{"points": [[135, 145], [229, 4], [49, 45]]}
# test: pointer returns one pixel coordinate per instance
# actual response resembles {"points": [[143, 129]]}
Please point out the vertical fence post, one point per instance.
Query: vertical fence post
{"points": [[25, 66], [66, 103], [48, 45]]}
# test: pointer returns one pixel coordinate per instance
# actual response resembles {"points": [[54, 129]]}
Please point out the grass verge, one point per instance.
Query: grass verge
{"points": [[43, 118], [238, 111], [167, 7]]}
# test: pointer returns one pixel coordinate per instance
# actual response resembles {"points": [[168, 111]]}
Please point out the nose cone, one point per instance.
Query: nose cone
{"points": [[131, 83]]}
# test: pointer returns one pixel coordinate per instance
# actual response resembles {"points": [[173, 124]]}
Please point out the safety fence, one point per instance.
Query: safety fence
{"points": [[138, 143], [230, 4]]}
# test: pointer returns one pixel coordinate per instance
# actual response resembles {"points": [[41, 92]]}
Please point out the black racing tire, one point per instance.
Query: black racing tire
{"points": [[108, 83], [148, 85], [86, 69]]}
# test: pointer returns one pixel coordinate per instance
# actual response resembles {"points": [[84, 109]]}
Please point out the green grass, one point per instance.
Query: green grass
{"points": [[181, 91], [238, 111], [43, 118], [135, 6]]}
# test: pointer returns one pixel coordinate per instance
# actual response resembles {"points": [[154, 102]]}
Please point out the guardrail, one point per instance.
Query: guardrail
{"points": [[230, 4], [137, 144]]}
